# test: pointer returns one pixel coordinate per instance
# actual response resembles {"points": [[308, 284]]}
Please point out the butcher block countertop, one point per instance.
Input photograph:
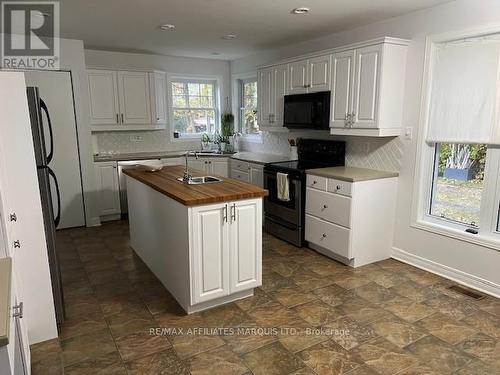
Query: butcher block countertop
{"points": [[351, 174], [165, 181]]}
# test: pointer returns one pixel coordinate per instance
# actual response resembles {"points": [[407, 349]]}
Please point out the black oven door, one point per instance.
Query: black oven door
{"points": [[289, 211]]}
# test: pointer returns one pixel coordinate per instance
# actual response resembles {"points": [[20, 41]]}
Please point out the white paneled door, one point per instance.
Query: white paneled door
{"points": [[319, 73], [343, 76], [104, 103], [108, 187], [134, 95], [279, 90], [210, 253], [56, 91], [297, 73]]}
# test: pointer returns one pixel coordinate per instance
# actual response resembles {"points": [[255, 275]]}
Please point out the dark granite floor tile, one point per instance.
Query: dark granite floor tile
{"points": [[483, 347], [318, 313], [166, 362], [408, 309], [82, 325], [398, 331], [140, 344], [450, 330], [131, 321], [109, 364], [375, 293], [272, 359], [86, 347], [292, 296], [189, 345], [227, 316], [220, 361], [485, 322], [414, 291], [349, 333], [452, 307], [259, 298]]}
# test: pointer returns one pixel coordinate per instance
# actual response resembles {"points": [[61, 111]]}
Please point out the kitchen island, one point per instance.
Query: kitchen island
{"points": [[204, 242]]}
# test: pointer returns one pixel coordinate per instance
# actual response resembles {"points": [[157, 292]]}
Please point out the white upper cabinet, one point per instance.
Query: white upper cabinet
{"points": [[279, 91], [368, 90], [342, 78], [135, 106], [319, 73], [272, 88], [104, 103], [265, 83], [127, 100], [297, 72], [158, 83]]}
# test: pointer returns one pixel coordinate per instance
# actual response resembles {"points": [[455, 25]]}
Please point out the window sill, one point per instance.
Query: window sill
{"points": [[457, 234], [252, 138]]}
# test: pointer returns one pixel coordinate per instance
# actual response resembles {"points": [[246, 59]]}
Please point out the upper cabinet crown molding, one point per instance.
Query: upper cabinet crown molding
{"points": [[366, 80], [127, 100]]}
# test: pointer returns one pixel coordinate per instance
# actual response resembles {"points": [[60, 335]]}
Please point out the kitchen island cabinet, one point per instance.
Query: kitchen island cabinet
{"points": [[204, 242]]}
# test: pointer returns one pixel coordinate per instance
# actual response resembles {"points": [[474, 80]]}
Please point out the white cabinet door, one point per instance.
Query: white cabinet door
{"points": [[342, 78], [108, 188], [319, 73], [240, 176], [279, 90], [133, 89], [256, 175], [210, 247], [246, 245], [104, 103], [297, 73], [200, 165], [158, 98], [366, 86], [219, 167], [265, 83]]}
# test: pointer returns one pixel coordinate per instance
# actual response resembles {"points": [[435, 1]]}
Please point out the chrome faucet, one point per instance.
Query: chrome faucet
{"points": [[187, 175]]}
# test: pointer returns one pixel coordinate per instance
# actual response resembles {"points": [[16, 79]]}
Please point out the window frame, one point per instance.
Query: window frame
{"points": [[215, 80], [489, 230]]}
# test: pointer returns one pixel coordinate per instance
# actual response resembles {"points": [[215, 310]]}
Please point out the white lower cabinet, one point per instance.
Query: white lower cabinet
{"points": [[226, 249], [211, 165], [108, 188], [350, 221], [252, 173]]}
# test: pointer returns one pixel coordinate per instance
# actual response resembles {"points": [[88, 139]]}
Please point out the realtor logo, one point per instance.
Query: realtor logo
{"points": [[30, 35]]}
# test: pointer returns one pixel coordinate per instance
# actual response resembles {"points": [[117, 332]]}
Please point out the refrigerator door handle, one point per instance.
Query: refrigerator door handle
{"points": [[57, 218], [51, 134]]}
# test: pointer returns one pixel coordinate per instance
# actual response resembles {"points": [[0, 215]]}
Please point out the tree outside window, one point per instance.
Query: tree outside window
{"points": [[248, 106]]}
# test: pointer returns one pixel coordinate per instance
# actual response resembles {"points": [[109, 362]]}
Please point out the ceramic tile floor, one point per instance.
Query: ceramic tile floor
{"points": [[312, 315]]}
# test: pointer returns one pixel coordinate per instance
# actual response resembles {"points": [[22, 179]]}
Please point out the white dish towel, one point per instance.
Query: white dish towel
{"points": [[283, 187]]}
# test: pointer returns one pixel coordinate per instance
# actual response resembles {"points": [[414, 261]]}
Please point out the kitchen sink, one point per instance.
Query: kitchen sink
{"points": [[200, 180]]}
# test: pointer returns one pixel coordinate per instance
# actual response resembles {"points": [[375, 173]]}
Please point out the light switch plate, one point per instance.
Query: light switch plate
{"points": [[408, 133]]}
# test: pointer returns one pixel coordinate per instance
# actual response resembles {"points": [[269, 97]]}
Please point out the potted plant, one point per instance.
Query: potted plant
{"points": [[206, 142], [227, 130], [459, 165]]}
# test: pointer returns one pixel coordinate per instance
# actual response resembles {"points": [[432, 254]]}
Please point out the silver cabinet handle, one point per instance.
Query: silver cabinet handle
{"points": [[337, 187], [17, 244], [323, 236], [13, 217], [18, 310], [353, 118], [117, 119], [233, 212], [224, 215], [122, 118], [324, 207]]}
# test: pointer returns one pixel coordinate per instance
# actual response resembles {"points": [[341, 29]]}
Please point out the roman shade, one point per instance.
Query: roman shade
{"points": [[465, 93]]}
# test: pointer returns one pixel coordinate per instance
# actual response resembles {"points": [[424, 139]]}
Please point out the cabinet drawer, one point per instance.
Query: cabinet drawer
{"points": [[316, 182], [329, 236], [239, 175], [239, 165], [330, 207], [340, 187]]}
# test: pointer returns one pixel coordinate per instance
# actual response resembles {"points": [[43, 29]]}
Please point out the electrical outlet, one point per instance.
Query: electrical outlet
{"points": [[135, 138]]}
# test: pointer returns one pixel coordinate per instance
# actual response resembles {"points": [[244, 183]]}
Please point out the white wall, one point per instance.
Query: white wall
{"points": [[475, 264], [158, 140]]}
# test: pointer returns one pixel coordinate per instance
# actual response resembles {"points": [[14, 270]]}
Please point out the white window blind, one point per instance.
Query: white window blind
{"points": [[465, 93]]}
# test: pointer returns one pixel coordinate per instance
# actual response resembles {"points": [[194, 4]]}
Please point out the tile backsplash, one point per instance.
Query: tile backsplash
{"points": [[366, 152]]}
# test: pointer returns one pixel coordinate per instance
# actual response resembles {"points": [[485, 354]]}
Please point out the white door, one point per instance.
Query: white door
{"points": [[246, 245], [109, 188], [297, 73], [342, 84], [264, 90], [210, 258], [133, 90], [256, 176], [219, 167], [57, 92], [158, 98], [279, 90], [104, 103], [319, 73], [366, 86]]}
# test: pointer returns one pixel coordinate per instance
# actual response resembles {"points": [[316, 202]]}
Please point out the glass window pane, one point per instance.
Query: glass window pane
{"points": [[179, 101], [178, 88], [458, 182], [206, 89], [194, 101], [194, 121], [250, 121], [194, 89]]}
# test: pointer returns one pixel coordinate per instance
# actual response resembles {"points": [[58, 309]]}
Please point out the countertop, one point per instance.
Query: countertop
{"points": [[260, 158], [351, 174], [165, 181], [5, 280], [152, 155]]}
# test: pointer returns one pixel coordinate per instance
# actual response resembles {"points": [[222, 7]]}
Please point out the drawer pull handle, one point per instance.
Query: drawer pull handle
{"points": [[323, 236], [324, 207], [337, 187], [315, 182]]}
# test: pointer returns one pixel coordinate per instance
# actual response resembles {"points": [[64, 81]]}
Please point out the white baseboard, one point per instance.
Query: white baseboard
{"points": [[460, 277]]}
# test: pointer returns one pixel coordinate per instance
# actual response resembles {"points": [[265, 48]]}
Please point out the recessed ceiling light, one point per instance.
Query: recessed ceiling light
{"points": [[167, 27], [230, 36], [300, 10]]}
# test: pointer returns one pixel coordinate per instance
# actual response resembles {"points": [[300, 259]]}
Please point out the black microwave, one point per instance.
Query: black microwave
{"points": [[307, 111]]}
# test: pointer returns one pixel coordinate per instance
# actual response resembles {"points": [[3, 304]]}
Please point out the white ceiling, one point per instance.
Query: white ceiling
{"points": [[133, 25]]}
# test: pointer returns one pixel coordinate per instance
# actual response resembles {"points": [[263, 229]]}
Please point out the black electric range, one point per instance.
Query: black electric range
{"points": [[285, 219]]}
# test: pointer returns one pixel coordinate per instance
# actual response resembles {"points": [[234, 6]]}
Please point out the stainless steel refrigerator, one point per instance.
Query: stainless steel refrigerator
{"points": [[43, 141]]}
